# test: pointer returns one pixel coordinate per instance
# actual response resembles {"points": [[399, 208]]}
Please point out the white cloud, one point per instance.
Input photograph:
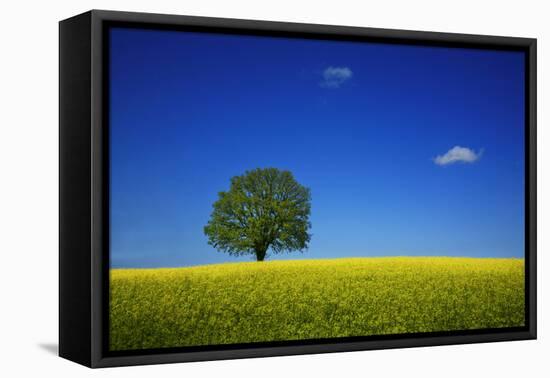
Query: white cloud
{"points": [[458, 154], [333, 77]]}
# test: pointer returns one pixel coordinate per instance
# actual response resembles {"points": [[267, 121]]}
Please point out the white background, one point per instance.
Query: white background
{"points": [[29, 186]]}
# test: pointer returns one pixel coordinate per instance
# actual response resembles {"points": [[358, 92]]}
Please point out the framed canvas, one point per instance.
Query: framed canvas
{"points": [[234, 188]]}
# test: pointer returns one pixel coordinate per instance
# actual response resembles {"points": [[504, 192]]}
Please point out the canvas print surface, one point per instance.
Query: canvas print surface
{"points": [[268, 189]]}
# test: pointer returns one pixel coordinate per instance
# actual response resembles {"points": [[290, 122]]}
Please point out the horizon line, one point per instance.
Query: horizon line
{"points": [[322, 259]]}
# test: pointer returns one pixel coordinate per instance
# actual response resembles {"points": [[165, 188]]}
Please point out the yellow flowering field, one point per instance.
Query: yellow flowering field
{"points": [[312, 299]]}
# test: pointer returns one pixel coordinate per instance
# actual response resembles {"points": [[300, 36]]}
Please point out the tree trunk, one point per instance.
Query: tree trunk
{"points": [[260, 254]]}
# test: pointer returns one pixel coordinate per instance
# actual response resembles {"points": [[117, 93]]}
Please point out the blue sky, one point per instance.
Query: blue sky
{"points": [[407, 150]]}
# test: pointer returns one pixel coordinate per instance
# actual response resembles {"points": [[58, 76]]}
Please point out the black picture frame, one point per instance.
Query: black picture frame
{"points": [[84, 202]]}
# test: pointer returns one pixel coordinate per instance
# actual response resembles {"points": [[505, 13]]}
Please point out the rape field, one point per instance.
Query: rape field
{"points": [[312, 299]]}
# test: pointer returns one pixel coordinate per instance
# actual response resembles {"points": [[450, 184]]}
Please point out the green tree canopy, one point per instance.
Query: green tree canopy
{"points": [[263, 209]]}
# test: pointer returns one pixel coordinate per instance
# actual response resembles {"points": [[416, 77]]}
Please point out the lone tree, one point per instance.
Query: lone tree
{"points": [[264, 208]]}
